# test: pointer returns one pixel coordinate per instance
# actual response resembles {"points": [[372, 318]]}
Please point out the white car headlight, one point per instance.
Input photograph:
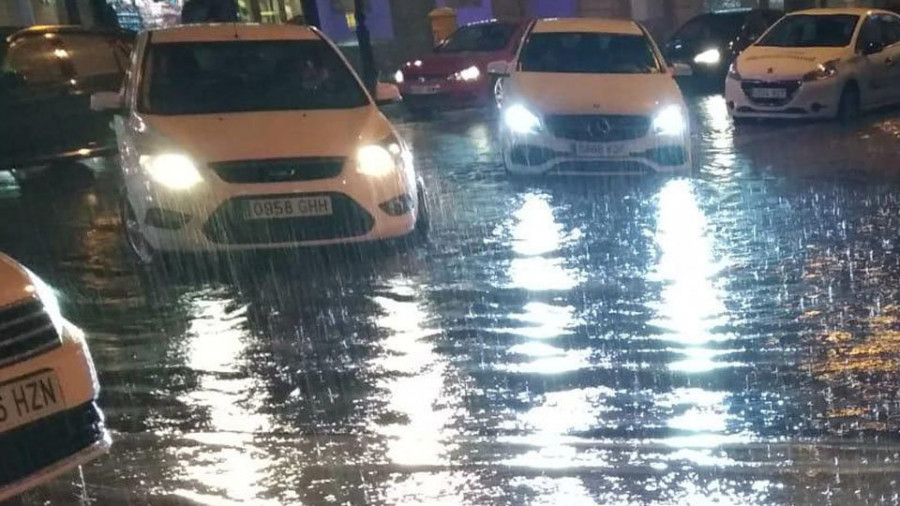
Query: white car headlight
{"points": [[520, 120], [669, 121], [172, 170], [709, 57], [469, 74], [376, 161], [398, 77], [823, 71]]}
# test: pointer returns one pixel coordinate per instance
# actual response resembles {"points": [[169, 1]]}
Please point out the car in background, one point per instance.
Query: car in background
{"points": [[49, 419], [592, 96], [238, 137], [708, 43], [455, 74], [47, 75], [819, 63]]}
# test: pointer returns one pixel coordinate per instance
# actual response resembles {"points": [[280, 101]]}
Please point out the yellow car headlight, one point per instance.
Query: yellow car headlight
{"points": [[175, 171]]}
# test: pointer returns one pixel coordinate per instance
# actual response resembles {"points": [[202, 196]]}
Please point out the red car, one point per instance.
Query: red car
{"points": [[455, 75]]}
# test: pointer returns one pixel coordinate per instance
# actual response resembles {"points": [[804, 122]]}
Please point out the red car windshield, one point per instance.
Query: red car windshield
{"points": [[478, 38]]}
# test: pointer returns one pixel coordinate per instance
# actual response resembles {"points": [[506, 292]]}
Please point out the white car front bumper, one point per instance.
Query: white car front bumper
{"points": [[213, 218], [814, 99], [544, 153]]}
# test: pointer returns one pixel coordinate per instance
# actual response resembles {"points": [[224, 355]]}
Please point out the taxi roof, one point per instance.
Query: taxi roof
{"points": [[231, 31], [600, 25]]}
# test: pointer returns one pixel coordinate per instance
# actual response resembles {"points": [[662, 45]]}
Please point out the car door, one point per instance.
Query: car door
{"points": [[32, 83], [890, 32], [873, 71]]}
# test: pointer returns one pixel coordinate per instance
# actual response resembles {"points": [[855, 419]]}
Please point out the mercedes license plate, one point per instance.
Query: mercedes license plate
{"points": [[592, 149]]}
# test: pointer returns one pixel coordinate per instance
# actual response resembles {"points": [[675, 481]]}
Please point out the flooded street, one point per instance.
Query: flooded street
{"points": [[727, 338]]}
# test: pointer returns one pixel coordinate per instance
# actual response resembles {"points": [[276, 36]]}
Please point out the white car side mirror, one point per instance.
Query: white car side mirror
{"points": [[498, 68], [107, 101], [681, 70], [386, 93]]}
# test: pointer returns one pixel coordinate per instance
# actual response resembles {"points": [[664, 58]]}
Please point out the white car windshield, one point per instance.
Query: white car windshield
{"points": [[811, 31], [588, 53], [216, 77]]}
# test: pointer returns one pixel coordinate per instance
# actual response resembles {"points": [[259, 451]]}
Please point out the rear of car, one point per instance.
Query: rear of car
{"points": [[47, 75], [49, 419], [592, 97], [708, 43], [455, 74]]}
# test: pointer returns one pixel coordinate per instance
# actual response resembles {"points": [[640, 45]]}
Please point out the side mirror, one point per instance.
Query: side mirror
{"points": [[498, 68], [386, 93], [107, 101], [680, 70], [872, 48]]}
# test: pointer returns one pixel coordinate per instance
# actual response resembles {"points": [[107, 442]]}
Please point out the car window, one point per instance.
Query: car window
{"points": [[95, 55], [870, 34], [212, 77], [805, 30], [709, 26], [755, 24], [588, 52], [36, 60], [487, 37], [890, 29]]}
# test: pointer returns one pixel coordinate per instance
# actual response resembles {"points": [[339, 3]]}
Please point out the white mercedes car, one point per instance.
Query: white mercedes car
{"points": [[49, 419], [236, 137], [819, 63], [592, 96]]}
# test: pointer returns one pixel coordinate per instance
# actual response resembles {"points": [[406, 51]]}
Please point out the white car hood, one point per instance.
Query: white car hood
{"points": [[15, 285], [637, 94], [771, 63], [259, 135]]}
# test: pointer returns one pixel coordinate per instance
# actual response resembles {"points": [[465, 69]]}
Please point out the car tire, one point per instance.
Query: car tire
{"points": [[849, 108], [138, 247]]}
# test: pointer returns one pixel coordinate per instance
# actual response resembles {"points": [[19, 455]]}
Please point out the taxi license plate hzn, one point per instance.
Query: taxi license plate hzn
{"points": [[25, 400]]}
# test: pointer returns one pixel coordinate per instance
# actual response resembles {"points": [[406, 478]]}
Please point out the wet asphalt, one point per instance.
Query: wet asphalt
{"points": [[732, 337]]}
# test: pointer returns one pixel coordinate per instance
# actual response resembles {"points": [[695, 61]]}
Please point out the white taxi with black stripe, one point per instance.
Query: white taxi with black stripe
{"points": [[235, 137], [49, 419], [818, 63]]}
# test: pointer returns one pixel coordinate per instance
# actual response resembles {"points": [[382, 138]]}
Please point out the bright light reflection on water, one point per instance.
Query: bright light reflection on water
{"points": [[231, 468]]}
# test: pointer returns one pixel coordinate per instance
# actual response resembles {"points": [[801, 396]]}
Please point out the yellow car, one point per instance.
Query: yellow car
{"points": [[49, 419]]}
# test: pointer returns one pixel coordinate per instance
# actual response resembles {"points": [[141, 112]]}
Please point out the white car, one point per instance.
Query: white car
{"points": [[49, 419], [818, 63], [235, 137], [592, 96]]}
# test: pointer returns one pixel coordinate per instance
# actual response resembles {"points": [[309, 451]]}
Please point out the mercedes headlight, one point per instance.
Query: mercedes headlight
{"points": [[398, 77], [469, 74], [171, 170], [823, 71], [709, 57], [520, 120], [669, 121]]}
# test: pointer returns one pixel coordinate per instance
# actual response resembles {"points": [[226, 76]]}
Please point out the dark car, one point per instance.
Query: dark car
{"points": [[47, 76], [710, 42]]}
